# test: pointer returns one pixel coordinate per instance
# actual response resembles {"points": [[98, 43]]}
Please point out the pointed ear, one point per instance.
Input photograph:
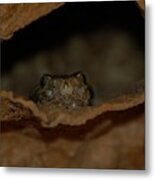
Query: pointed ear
{"points": [[80, 76]]}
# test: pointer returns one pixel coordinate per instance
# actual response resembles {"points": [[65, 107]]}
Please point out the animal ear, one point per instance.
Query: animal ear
{"points": [[45, 79], [80, 76]]}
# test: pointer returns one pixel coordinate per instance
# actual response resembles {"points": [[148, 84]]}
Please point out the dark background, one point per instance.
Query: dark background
{"points": [[70, 19]]}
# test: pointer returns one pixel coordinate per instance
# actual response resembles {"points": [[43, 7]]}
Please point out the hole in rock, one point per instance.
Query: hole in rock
{"points": [[105, 40]]}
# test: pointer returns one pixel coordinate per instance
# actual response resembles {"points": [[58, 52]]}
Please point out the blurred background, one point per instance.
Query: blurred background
{"points": [[105, 40]]}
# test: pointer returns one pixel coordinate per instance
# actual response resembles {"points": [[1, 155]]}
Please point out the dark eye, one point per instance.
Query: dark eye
{"points": [[45, 79]]}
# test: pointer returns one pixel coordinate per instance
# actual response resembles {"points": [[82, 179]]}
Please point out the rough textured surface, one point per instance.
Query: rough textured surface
{"points": [[16, 16], [104, 142], [109, 134], [16, 108]]}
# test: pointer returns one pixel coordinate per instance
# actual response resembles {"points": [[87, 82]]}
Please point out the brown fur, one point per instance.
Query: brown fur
{"points": [[67, 91]]}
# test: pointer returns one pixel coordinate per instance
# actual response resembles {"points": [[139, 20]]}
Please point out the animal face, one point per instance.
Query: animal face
{"points": [[68, 91]]}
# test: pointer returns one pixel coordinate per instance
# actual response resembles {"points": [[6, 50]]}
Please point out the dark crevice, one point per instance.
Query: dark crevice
{"points": [[55, 28]]}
